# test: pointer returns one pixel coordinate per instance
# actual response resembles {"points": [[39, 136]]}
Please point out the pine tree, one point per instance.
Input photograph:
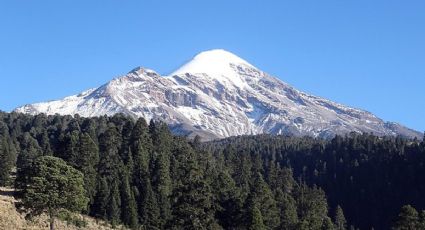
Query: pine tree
{"points": [[141, 155], [126, 136], [228, 201], [328, 225], [150, 211], [101, 199], [7, 156], [256, 220], [70, 148], [163, 186], [242, 174], [272, 175], [113, 209], [45, 144], [87, 162], [340, 221], [311, 205], [110, 163], [141, 148], [53, 185], [29, 152], [163, 141], [288, 210], [192, 207], [408, 219], [129, 214], [422, 220], [263, 198]]}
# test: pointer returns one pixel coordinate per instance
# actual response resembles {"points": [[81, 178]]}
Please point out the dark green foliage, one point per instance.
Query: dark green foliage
{"points": [[88, 158], [100, 201], [53, 185], [144, 177], [192, 197], [113, 209], [328, 225], [262, 198], [163, 144], [408, 219], [422, 220], [150, 212], [129, 215], [29, 152], [70, 151], [370, 176], [228, 201], [7, 155], [256, 219], [311, 206], [340, 221], [288, 210]]}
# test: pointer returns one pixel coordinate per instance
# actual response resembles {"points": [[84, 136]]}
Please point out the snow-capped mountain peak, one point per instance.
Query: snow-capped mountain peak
{"points": [[219, 64], [216, 95], [212, 62]]}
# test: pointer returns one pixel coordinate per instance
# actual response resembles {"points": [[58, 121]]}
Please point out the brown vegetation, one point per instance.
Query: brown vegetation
{"points": [[11, 219]]}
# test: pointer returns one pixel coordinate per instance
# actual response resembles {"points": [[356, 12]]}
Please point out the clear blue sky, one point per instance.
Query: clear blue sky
{"points": [[363, 53]]}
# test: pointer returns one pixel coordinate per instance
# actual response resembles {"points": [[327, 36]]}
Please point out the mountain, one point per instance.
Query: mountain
{"points": [[217, 95]]}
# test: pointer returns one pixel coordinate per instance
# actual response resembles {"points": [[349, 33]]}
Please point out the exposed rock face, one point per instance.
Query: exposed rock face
{"points": [[216, 95]]}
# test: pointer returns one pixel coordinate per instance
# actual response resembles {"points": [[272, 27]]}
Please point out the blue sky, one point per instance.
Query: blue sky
{"points": [[366, 54]]}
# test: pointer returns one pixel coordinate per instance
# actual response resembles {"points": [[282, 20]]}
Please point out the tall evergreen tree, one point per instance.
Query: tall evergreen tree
{"points": [[192, 207], [328, 225], [288, 210], [263, 198], [113, 209], [29, 152], [44, 143], [422, 220], [312, 206], [101, 199], [7, 156], [256, 220], [70, 149], [141, 148], [150, 211], [408, 219], [88, 160], [110, 163], [229, 203], [129, 214], [340, 221], [163, 142]]}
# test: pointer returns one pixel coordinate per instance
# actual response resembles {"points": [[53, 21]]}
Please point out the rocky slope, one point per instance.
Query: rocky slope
{"points": [[216, 95]]}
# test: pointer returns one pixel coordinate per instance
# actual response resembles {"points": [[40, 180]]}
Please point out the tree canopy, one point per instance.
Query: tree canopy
{"points": [[53, 185], [143, 176]]}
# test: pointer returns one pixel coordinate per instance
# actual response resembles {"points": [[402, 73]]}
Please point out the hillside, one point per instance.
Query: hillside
{"points": [[11, 219]]}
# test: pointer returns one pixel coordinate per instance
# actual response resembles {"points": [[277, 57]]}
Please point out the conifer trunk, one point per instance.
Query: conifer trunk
{"points": [[52, 221]]}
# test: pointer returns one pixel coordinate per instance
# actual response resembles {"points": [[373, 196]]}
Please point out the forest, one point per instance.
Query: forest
{"points": [[140, 175]]}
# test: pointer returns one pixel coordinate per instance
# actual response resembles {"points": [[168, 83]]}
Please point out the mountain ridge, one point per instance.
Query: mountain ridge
{"points": [[217, 94]]}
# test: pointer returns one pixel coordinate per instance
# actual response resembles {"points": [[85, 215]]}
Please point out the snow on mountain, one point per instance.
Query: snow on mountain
{"points": [[218, 65], [216, 95]]}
